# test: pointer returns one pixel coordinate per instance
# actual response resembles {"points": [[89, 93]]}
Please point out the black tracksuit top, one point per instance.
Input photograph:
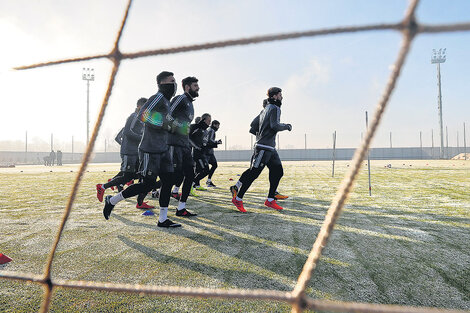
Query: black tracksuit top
{"points": [[131, 135], [266, 126], [181, 115], [154, 114]]}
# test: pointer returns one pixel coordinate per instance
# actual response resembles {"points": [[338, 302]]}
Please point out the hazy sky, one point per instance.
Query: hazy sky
{"points": [[328, 82]]}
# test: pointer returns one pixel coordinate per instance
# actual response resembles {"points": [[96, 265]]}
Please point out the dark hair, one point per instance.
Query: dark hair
{"points": [[188, 81], [215, 122], [163, 75], [141, 102], [265, 103], [203, 116], [273, 91], [197, 119]]}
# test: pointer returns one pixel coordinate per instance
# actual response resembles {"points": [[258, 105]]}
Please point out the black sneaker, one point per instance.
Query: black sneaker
{"points": [[167, 223], [184, 213], [141, 198], [210, 184], [108, 207], [234, 191]]}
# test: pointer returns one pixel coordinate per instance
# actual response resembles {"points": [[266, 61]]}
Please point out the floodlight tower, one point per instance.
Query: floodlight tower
{"points": [[88, 74], [438, 57]]}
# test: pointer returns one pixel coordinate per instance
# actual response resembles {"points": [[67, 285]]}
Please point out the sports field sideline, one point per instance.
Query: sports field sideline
{"points": [[408, 243]]}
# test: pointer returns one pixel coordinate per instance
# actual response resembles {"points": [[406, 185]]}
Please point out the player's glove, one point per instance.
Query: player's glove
{"points": [[289, 127]]}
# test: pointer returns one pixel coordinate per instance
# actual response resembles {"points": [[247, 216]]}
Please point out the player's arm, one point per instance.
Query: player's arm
{"points": [[128, 128], [209, 137], [193, 133], [274, 121], [118, 138], [153, 114], [206, 137], [254, 126], [177, 126], [211, 143], [201, 126]]}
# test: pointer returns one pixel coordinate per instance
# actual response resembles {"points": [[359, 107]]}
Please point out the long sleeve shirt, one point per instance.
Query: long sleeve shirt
{"points": [[181, 114], [154, 114], [209, 140], [196, 135], [131, 135], [268, 126]]}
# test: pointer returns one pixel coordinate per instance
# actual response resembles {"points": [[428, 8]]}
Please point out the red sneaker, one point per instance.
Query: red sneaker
{"points": [[112, 187], [144, 205], [176, 195], [273, 204], [100, 192], [238, 204]]}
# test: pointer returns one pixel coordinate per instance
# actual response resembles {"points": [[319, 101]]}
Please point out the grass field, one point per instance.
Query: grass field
{"points": [[408, 243]]}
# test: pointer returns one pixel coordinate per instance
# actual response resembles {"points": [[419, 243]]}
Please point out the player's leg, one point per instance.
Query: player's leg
{"points": [[148, 168], [129, 166], [119, 187], [252, 175], [178, 180], [166, 177], [275, 174], [246, 177], [213, 162], [256, 167], [100, 188], [187, 167], [202, 170], [188, 171], [145, 186]]}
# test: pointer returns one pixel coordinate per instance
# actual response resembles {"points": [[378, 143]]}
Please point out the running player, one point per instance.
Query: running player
{"points": [[266, 125], [196, 138], [154, 155], [211, 143], [254, 127], [181, 114], [130, 138]]}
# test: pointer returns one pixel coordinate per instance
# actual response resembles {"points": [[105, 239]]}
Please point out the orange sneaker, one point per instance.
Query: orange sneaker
{"points": [[273, 204], [100, 192], [238, 204], [234, 191], [144, 205], [279, 196]]}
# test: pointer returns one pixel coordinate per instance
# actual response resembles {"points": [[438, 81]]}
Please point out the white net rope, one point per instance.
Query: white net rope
{"points": [[409, 28]]}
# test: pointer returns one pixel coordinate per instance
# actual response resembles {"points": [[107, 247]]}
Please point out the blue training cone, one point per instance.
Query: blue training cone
{"points": [[148, 213]]}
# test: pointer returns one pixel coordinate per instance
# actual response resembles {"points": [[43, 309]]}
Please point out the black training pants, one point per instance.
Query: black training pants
{"points": [[259, 160]]}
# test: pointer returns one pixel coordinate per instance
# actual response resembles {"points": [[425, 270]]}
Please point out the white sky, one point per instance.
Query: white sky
{"points": [[328, 82]]}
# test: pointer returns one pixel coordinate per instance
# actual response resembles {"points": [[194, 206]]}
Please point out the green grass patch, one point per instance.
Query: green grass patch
{"points": [[406, 244]]}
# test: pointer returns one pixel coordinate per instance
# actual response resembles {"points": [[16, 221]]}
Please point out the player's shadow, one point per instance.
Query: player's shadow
{"points": [[306, 220], [366, 217], [286, 260], [129, 222], [322, 206], [372, 215], [243, 278], [293, 228]]}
